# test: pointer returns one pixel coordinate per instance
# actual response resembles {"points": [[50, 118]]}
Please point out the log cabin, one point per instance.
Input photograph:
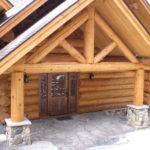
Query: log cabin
{"points": [[61, 57]]}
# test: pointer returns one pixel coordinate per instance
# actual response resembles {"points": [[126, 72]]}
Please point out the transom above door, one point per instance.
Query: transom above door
{"points": [[58, 94]]}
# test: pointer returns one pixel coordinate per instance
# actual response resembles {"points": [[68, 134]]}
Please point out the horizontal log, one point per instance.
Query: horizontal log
{"points": [[4, 109], [31, 92], [102, 107], [58, 58], [3, 77], [147, 94], [74, 67], [104, 82], [34, 84], [106, 101], [4, 101], [105, 94], [102, 88], [33, 77], [3, 116], [32, 115], [146, 88], [147, 100], [105, 75], [4, 92], [31, 100], [31, 108], [147, 76]]}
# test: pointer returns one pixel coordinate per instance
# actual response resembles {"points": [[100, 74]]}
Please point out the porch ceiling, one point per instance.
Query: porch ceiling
{"points": [[126, 25]]}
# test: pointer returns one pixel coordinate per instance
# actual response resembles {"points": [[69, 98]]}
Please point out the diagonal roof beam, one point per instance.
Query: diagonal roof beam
{"points": [[102, 54], [73, 51], [53, 42], [104, 26]]}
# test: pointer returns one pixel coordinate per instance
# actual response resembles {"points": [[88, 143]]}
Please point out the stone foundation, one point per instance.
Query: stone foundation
{"points": [[138, 116], [18, 133]]}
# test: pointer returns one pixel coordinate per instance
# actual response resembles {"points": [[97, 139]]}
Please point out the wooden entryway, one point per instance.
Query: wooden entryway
{"points": [[58, 94]]}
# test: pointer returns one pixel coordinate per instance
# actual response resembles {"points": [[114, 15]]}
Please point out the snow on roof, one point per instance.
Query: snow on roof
{"points": [[18, 6]]}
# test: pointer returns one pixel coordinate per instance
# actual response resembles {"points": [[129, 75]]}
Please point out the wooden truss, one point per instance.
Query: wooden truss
{"points": [[89, 18]]}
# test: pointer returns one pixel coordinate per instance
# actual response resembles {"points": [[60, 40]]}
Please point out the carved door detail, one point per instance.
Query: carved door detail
{"points": [[58, 93], [43, 94]]}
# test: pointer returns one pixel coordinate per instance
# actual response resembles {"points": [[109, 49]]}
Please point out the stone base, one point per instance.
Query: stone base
{"points": [[138, 116], [18, 133]]}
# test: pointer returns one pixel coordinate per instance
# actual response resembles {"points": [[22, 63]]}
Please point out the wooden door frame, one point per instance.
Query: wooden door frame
{"points": [[77, 93]]}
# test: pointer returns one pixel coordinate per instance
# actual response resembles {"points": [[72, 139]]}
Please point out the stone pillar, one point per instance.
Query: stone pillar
{"points": [[18, 133], [138, 116]]}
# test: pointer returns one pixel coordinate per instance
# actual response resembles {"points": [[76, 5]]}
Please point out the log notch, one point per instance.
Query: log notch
{"points": [[89, 34], [139, 88], [17, 97]]}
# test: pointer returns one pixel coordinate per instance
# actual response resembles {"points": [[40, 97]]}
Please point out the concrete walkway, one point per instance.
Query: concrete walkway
{"points": [[90, 131]]}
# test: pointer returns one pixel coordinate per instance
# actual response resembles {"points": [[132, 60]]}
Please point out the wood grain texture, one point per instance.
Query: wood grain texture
{"points": [[139, 88], [17, 97]]}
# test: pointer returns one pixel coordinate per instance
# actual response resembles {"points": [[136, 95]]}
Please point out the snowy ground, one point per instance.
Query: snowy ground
{"points": [[90, 131]]}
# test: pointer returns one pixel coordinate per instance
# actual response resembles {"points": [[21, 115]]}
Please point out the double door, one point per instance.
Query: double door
{"points": [[58, 94]]}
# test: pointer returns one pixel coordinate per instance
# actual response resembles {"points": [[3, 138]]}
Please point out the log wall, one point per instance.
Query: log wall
{"points": [[31, 97], [106, 91], [147, 89], [4, 97]]}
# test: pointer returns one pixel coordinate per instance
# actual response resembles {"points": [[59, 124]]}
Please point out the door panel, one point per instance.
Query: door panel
{"points": [[57, 93], [43, 95], [72, 105]]}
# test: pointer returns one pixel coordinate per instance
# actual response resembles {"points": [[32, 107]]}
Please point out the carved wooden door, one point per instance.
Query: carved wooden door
{"points": [[58, 93]]}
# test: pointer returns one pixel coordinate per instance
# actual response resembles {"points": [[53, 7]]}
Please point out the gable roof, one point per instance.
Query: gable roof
{"points": [[17, 50], [115, 12]]}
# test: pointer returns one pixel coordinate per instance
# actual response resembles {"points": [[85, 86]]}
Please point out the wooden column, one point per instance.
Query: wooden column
{"points": [[89, 34], [17, 97], [139, 88]]}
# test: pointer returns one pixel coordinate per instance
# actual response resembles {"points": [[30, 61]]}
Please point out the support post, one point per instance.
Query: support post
{"points": [[139, 88], [17, 97], [18, 127], [138, 113], [89, 34]]}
